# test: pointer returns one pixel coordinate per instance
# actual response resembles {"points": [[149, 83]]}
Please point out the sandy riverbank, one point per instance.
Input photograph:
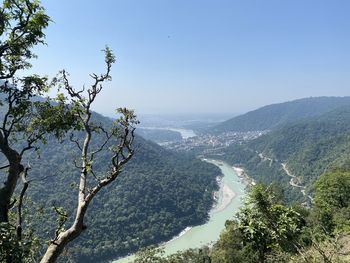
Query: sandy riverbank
{"points": [[243, 176], [227, 196], [238, 170]]}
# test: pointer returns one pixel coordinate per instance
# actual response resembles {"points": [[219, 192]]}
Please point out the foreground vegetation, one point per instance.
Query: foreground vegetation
{"points": [[268, 230]]}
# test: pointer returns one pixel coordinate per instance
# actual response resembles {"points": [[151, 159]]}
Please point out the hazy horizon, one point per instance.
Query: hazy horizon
{"points": [[177, 57], [212, 114]]}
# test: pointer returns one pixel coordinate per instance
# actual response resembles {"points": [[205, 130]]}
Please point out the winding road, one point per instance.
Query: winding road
{"points": [[294, 181]]}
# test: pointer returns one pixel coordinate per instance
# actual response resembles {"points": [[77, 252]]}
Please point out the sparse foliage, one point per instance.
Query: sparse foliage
{"points": [[119, 141]]}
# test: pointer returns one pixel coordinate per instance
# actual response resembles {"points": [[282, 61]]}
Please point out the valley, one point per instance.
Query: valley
{"points": [[254, 152], [229, 200], [174, 131], [180, 189], [244, 148]]}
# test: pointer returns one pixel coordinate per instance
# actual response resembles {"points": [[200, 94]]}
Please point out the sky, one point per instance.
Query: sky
{"points": [[201, 56]]}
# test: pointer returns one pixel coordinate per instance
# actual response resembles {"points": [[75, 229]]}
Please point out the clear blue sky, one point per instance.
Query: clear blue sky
{"points": [[202, 56]]}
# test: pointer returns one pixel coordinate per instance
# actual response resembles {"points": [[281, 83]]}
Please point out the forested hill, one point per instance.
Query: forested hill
{"points": [[154, 198], [308, 148], [272, 116]]}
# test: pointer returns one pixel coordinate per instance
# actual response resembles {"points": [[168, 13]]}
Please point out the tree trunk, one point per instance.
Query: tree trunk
{"points": [[58, 244], [56, 247], [6, 192], [3, 208]]}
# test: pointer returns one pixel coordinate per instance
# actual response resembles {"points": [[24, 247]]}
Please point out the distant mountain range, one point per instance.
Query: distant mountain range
{"points": [[275, 115]]}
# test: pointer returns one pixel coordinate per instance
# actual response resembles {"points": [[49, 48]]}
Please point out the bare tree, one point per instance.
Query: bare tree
{"points": [[119, 140]]}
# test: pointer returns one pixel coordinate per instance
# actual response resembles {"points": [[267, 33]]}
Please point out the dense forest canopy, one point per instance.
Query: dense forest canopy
{"points": [[157, 195]]}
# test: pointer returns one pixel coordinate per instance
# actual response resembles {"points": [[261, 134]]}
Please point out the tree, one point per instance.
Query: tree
{"points": [[230, 247], [25, 119], [332, 201], [21, 27], [267, 225], [28, 119], [118, 139], [150, 254]]}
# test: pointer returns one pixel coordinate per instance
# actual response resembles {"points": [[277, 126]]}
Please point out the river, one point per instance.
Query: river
{"points": [[185, 133], [229, 201]]}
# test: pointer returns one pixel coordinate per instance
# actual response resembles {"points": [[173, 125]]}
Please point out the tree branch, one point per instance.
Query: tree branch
{"points": [[102, 146], [71, 138], [5, 166]]}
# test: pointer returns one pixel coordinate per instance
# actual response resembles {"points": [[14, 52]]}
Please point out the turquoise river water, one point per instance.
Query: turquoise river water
{"points": [[230, 195]]}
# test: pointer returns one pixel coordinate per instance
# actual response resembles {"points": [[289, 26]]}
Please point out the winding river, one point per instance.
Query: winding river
{"points": [[229, 201]]}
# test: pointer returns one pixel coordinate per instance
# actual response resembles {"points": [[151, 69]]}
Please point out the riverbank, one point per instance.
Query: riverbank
{"points": [[183, 232], [227, 197], [244, 176], [230, 199]]}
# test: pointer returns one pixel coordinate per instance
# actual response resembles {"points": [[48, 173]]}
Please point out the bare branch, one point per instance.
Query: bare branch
{"points": [[94, 175], [102, 146], [76, 165], [73, 93], [32, 139], [115, 171], [72, 139], [5, 166]]}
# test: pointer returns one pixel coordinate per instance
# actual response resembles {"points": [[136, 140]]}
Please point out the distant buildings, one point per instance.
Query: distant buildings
{"points": [[209, 143]]}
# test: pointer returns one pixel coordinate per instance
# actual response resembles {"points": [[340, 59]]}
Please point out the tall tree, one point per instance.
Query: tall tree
{"points": [[27, 119], [118, 139], [23, 117]]}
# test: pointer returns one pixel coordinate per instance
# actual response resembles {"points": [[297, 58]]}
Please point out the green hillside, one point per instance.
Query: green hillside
{"points": [[308, 148], [272, 116], [156, 196]]}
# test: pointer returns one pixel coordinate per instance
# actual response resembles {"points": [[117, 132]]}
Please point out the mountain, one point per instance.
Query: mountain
{"points": [[272, 116], [158, 194], [307, 148]]}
